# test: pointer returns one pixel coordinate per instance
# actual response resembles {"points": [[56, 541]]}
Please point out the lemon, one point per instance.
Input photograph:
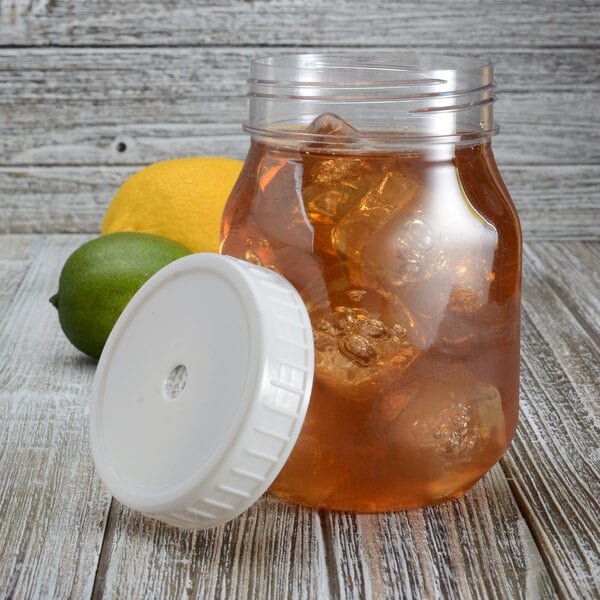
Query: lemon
{"points": [[181, 199], [100, 278]]}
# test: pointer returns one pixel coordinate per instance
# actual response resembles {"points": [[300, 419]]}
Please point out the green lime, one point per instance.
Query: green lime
{"points": [[100, 278]]}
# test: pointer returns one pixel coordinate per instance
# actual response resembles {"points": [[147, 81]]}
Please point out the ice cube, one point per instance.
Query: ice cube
{"points": [[453, 426], [327, 200], [245, 240], [416, 265], [467, 314], [278, 207], [327, 170], [328, 128], [297, 266], [417, 249], [333, 180], [473, 279], [327, 203], [360, 332], [406, 249], [392, 193], [315, 461]]}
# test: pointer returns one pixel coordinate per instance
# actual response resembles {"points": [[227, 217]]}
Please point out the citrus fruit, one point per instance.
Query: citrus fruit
{"points": [[100, 278], [181, 199]]}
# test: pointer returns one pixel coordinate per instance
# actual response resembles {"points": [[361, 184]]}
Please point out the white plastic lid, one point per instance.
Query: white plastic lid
{"points": [[201, 390]]}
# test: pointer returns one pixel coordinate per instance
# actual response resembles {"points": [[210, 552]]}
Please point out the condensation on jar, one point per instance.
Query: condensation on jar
{"points": [[370, 184]]}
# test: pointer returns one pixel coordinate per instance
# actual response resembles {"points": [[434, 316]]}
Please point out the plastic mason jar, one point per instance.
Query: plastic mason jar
{"points": [[370, 184]]}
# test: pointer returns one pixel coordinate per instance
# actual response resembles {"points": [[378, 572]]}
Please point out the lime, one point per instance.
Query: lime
{"points": [[100, 278]]}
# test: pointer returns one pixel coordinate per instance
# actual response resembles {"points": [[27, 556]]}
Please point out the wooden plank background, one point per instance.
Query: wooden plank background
{"points": [[92, 90]]}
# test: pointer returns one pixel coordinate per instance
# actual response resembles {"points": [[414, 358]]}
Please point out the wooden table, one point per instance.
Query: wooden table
{"points": [[89, 92], [530, 528]]}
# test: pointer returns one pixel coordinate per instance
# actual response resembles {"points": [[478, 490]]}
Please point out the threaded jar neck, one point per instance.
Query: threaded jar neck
{"points": [[392, 101]]}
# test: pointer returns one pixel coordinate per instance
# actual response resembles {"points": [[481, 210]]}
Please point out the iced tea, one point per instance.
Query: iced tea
{"points": [[409, 265]]}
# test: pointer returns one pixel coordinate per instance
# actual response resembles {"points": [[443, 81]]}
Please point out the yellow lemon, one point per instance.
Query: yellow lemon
{"points": [[181, 199]]}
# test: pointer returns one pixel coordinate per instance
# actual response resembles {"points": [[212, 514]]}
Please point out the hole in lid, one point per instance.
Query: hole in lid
{"points": [[175, 382]]}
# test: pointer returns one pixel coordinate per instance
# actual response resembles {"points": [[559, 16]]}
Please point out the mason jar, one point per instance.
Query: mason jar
{"points": [[370, 185]]}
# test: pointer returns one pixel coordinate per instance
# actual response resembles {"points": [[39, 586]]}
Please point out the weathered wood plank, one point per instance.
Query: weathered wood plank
{"points": [[273, 550], [222, 71], [556, 203], [551, 314], [124, 144], [432, 23], [52, 506], [553, 470], [476, 547], [553, 202], [75, 106], [572, 270], [534, 131], [62, 199], [16, 253], [553, 465]]}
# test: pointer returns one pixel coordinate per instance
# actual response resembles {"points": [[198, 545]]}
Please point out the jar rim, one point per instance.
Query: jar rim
{"points": [[433, 97], [375, 63]]}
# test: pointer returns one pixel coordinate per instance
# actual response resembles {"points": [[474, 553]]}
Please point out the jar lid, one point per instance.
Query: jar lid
{"points": [[201, 390]]}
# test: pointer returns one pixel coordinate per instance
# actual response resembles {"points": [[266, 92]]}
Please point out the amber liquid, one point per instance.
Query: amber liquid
{"points": [[409, 265]]}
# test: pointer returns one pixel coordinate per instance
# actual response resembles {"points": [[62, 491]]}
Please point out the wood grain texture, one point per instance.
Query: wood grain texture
{"points": [[53, 509], [15, 259], [554, 463], [125, 92], [534, 130], [431, 23], [57, 199], [273, 550], [92, 90], [541, 542], [572, 272], [52, 506], [476, 547], [553, 202], [552, 315], [216, 71], [75, 106]]}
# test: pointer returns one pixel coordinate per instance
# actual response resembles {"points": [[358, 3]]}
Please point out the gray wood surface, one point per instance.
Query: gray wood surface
{"points": [[97, 84], [529, 529], [52, 506], [91, 91], [74, 199], [77, 106], [383, 23], [554, 463]]}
